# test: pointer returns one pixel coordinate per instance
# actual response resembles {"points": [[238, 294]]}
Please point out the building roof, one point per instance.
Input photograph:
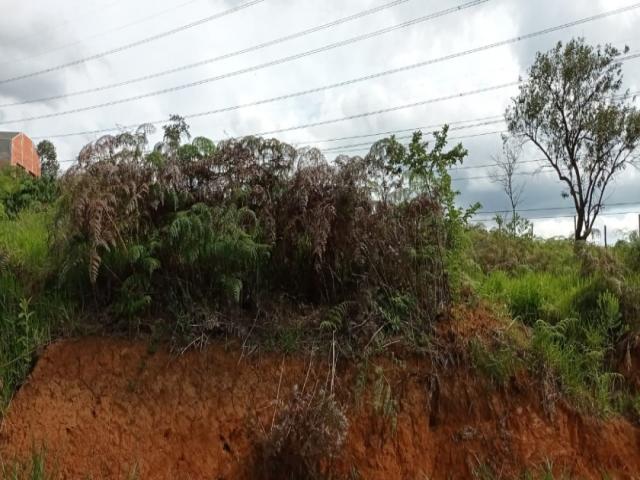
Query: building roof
{"points": [[8, 135]]}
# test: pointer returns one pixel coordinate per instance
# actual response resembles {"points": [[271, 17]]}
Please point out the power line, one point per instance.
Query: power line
{"points": [[137, 43], [326, 87], [518, 174], [545, 209], [318, 28], [225, 56], [363, 146], [261, 66], [486, 121], [308, 91], [97, 35], [550, 217], [358, 149], [105, 130], [356, 146], [482, 121], [314, 124], [390, 109]]}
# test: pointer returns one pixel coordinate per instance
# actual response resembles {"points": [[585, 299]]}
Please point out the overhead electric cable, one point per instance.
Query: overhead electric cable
{"points": [[303, 92], [137, 43], [225, 56], [452, 56], [258, 67], [308, 125], [101, 34]]}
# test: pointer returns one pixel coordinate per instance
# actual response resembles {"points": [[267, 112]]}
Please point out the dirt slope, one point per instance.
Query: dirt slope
{"points": [[101, 406]]}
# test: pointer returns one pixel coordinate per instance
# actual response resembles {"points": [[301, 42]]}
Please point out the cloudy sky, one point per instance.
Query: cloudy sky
{"points": [[73, 39]]}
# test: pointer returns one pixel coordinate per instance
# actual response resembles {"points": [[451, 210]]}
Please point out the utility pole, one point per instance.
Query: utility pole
{"points": [[605, 237]]}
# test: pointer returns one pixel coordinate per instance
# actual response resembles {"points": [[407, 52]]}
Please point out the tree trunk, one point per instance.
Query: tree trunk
{"points": [[581, 232]]}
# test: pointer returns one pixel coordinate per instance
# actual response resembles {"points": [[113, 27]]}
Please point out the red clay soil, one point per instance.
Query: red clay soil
{"points": [[100, 406]]}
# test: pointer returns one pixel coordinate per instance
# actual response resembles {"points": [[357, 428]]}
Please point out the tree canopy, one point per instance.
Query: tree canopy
{"points": [[49, 165]]}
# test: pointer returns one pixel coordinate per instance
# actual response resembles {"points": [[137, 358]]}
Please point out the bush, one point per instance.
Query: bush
{"points": [[533, 296], [23, 332], [252, 219], [309, 429], [629, 252], [497, 250]]}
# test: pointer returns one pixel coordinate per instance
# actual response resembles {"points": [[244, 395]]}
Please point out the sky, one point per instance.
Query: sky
{"points": [[89, 44]]}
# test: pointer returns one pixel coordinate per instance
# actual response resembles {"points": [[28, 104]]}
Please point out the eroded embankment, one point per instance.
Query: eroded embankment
{"points": [[101, 406]]}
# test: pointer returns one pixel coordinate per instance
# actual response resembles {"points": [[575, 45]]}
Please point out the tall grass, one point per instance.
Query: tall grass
{"points": [[533, 295], [24, 314], [25, 242]]}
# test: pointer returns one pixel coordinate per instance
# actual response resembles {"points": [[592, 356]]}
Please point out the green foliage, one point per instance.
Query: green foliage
{"points": [[336, 317], [382, 400], [532, 296], [629, 252], [575, 353], [49, 166], [499, 363], [499, 250], [577, 349], [484, 471], [228, 226], [33, 469], [28, 309], [25, 241], [514, 225], [23, 331], [20, 191], [580, 308]]}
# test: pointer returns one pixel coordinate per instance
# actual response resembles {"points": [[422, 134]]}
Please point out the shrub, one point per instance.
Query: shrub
{"points": [[498, 362], [532, 296], [309, 429], [629, 252], [232, 226], [23, 331]]}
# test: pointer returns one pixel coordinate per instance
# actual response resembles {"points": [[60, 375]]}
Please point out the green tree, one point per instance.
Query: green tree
{"points": [[49, 166], [205, 146], [174, 132], [416, 169], [571, 108]]}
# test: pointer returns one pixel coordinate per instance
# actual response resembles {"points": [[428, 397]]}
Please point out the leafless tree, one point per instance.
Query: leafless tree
{"points": [[507, 168]]}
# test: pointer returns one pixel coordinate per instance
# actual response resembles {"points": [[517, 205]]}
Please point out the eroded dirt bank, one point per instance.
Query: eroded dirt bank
{"points": [[101, 406]]}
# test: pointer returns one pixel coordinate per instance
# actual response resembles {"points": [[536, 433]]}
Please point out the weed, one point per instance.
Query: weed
{"points": [[33, 469], [499, 363], [310, 428], [385, 406]]}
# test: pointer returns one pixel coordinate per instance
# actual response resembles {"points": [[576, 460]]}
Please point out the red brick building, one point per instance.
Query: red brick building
{"points": [[19, 150]]}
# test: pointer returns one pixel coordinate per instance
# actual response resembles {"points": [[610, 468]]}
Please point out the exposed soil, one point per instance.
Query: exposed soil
{"points": [[101, 406]]}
